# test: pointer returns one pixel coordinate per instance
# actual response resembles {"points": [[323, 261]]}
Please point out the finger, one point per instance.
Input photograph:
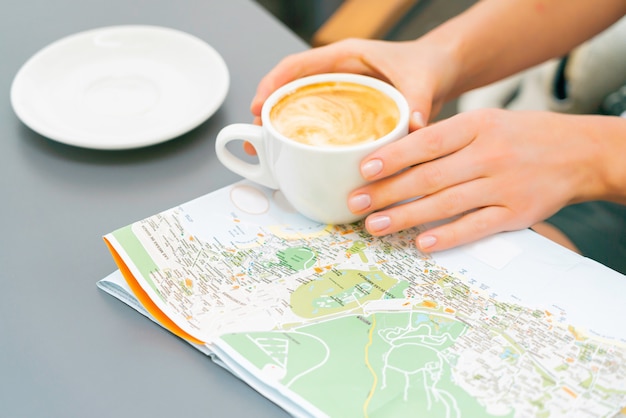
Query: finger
{"points": [[249, 148], [417, 119], [420, 180], [419, 96], [426, 144], [468, 228], [446, 204], [422, 89]]}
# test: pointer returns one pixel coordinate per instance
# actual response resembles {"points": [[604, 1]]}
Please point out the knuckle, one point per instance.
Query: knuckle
{"points": [[448, 236], [487, 114], [349, 46], [491, 118], [289, 59], [450, 203], [432, 177], [401, 218], [402, 221], [433, 144], [350, 41], [480, 226]]}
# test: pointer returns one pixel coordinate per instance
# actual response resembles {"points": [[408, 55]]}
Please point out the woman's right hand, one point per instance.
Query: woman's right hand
{"points": [[423, 72]]}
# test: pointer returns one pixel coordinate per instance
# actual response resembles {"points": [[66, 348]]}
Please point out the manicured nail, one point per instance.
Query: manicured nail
{"points": [[378, 223], [371, 168], [426, 241], [418, 119], [359, 202]]}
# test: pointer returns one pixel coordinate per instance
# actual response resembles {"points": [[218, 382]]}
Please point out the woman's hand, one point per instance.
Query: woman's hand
{"points": [[422, 71], [497, 170]]}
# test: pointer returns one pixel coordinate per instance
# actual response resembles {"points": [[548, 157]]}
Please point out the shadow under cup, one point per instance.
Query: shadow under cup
{"points": [[315, 179]]}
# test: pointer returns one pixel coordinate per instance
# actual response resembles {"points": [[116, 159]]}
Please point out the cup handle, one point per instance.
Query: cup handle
{"points": [[260, 173]]}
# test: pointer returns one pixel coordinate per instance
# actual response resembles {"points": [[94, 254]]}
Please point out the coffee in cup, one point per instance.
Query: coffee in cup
{"points": [[315, 132], [335, 113]]}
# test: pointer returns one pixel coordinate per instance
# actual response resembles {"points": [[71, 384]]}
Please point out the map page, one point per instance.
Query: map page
{"points": [[326, 320]]}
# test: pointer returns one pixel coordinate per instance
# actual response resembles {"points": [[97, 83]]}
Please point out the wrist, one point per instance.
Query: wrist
{"points": [[443, 51], [595, 151], [469, 51], [610, 134]]}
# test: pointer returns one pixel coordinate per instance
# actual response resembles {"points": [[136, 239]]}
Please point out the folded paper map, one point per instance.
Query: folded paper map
{"points": [[326, 320]]}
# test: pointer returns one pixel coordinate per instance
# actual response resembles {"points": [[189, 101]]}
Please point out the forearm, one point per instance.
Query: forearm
{"points": [[497, 38]]}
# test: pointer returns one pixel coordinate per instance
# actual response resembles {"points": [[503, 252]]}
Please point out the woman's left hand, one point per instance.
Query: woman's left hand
{"points": [[497, 170]]}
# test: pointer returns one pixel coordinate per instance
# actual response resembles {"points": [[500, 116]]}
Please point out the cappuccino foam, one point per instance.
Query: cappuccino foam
{"points": [[335, 114]]}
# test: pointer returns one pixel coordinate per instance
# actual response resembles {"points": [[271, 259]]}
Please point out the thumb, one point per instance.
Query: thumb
{"points": [[420, 106], [416, 120]]}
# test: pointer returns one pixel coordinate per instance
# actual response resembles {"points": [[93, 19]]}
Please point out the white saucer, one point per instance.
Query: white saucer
{"points": [[120, 87]]}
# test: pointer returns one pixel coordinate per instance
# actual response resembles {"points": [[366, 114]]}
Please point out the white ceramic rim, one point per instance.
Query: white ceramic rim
{"points": [[218, 67], [403, 106]]}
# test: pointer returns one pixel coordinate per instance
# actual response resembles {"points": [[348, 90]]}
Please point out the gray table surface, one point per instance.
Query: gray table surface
{"points": [[66, 348]]}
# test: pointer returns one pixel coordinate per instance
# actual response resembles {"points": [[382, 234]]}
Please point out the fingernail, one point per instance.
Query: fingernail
{"points": [[359, 202], [426, 241], [418, 119], [371, 168], [378, 223]]}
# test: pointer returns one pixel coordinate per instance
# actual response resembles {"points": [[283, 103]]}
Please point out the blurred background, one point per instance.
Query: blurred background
{"points": [[319, 22]]}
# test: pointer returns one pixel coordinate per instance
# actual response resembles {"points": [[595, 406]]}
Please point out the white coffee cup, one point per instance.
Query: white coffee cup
{"points": [[315, 179]]}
